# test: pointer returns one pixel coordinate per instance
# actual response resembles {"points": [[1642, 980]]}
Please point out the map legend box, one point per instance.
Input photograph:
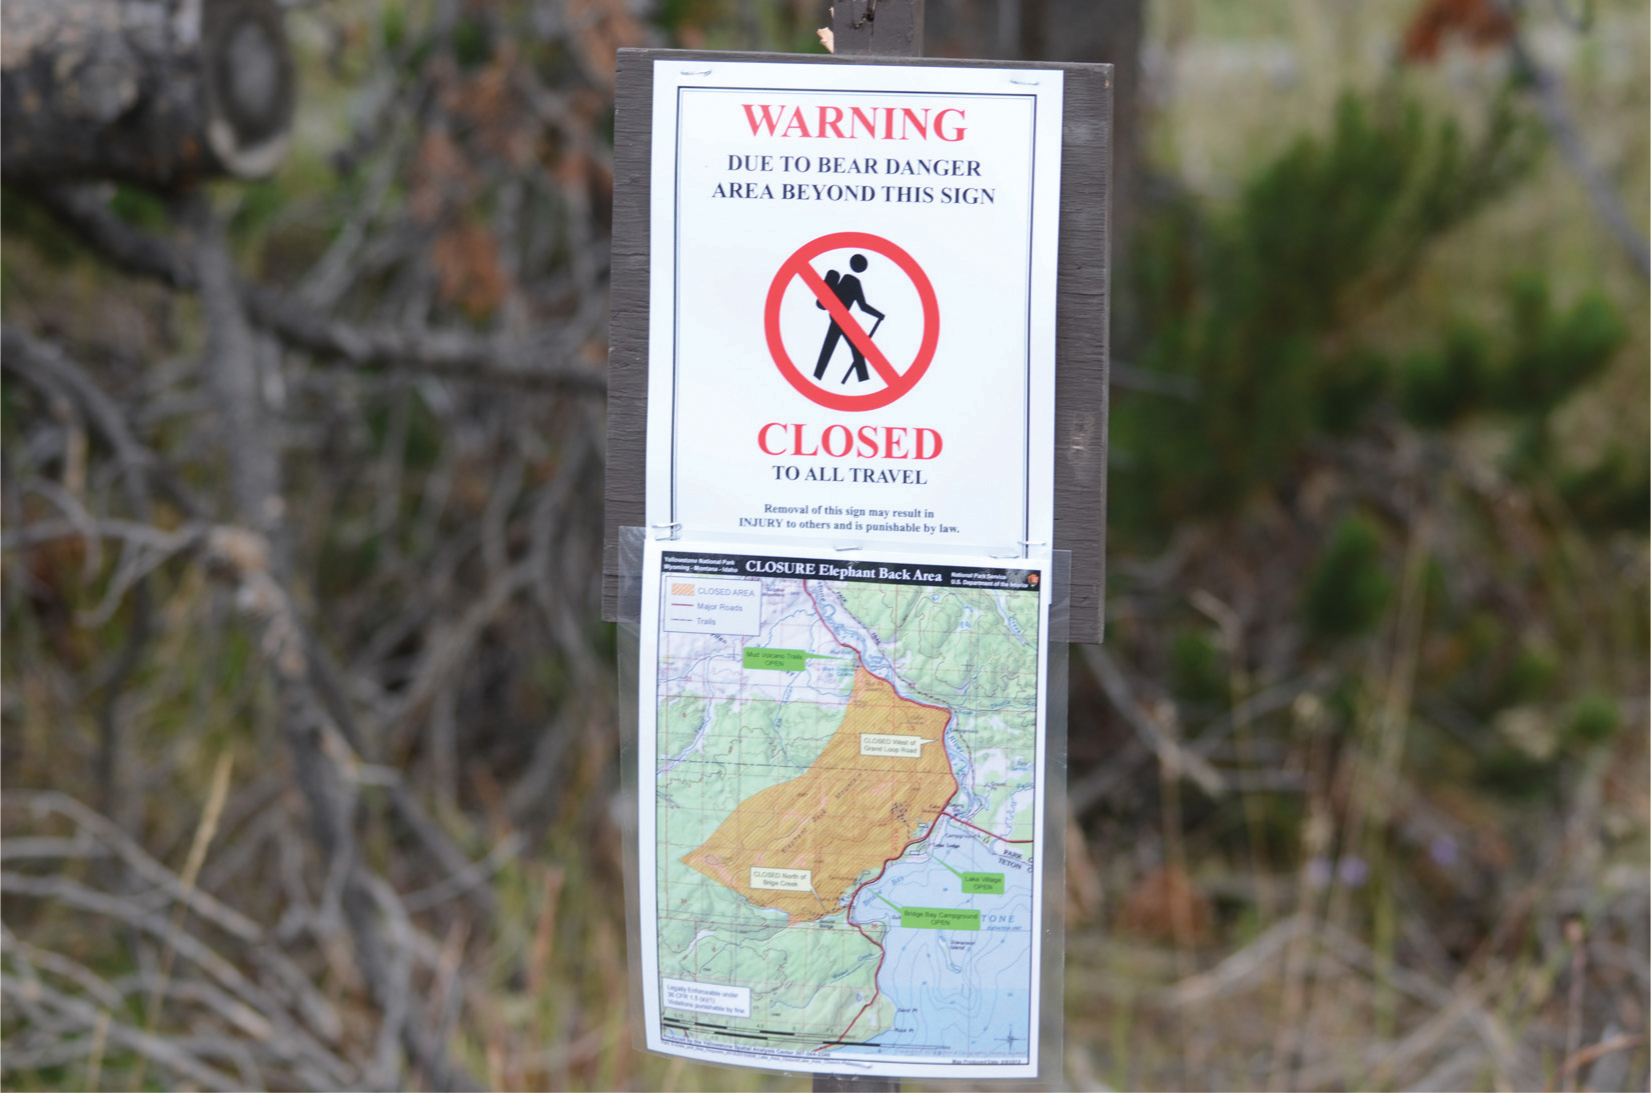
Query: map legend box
{"points": [[701, 605], [707, 998]]}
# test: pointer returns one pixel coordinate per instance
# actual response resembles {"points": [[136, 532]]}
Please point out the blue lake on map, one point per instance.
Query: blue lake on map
{"points": [[955, 991]]}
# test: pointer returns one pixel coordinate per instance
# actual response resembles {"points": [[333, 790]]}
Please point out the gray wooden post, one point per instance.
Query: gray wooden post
{"points": [[882, 28], [886, 28]]}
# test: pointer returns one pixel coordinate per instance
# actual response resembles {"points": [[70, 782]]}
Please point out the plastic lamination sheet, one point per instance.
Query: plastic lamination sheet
{"points": [[841, 776]]}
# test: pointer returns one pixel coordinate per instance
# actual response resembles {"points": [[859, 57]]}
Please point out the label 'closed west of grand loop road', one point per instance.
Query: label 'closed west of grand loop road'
{"points": [[853, 270], [903, 747]]}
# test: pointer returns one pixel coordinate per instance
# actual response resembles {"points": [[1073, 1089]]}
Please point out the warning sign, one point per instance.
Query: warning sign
{"points": [[851, 305], [842, 294]]}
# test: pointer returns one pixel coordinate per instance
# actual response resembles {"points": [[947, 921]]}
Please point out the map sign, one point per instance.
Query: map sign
{"points": [[841, 810]]}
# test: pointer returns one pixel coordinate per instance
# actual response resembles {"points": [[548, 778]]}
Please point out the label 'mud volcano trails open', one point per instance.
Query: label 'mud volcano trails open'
{"points": [[843, 818]]}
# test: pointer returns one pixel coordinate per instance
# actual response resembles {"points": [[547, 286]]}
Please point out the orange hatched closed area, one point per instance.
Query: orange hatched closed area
{"points": [[846, 816]]}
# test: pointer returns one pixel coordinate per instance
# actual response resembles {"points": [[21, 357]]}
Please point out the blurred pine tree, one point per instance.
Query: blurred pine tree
{"points": [[1347, 591], [1258, 308]]}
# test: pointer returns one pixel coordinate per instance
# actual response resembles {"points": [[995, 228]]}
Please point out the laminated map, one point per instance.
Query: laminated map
{"points": [[841, 790]]}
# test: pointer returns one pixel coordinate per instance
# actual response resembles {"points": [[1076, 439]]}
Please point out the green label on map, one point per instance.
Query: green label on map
{"points": [[781, 660], [939, 918], [983, 884]]}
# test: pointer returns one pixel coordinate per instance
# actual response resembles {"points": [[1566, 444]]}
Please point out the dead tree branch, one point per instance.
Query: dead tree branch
{"points": [[450, 353], [1171, 754], [324, 762], [1562, 124]]}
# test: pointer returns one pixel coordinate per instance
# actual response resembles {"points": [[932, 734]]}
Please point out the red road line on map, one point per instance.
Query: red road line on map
{"points": [[882, 953], [862, 658], [839, 314], [983, 831]]}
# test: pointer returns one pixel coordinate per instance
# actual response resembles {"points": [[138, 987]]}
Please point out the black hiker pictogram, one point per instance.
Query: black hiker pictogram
{"points": [[839, 294], [846, 287]]}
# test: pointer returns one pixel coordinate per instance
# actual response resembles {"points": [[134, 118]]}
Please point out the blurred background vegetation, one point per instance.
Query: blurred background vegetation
{"points": [[310, 744]]}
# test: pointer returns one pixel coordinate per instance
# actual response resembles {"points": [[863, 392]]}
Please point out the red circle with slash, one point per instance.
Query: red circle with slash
{"points": [[896, 382]]}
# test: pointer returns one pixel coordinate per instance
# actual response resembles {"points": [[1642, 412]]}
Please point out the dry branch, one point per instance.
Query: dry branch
{"points": [[451, 353], [1176, 759], [163, 1051], [1567, 134], [71, 894], [325, 764]]}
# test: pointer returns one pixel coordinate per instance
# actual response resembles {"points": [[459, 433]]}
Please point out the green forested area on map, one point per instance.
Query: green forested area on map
{"points": [[309, 736]]}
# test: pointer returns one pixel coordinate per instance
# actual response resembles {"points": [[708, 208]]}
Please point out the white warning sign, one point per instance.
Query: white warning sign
{"points": [[852, 303]]}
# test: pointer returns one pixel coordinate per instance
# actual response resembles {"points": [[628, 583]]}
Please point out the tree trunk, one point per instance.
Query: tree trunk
{"points": [[156, 92]]}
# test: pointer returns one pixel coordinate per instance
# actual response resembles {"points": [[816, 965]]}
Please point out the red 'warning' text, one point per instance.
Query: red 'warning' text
{"points": [[856, 123]]}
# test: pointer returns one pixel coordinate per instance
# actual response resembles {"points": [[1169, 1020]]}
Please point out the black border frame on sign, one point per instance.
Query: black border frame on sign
{"points": [[1082, 310], [1031, 220]]}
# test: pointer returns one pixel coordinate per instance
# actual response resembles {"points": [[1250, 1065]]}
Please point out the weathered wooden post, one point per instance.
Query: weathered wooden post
{"points": [[857, 439], [860, 28], [886, 28]]}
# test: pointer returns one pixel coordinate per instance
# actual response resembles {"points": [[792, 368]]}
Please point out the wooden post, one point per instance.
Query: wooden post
{"points": [[843, 1083], [885, 28], [888, 28]]}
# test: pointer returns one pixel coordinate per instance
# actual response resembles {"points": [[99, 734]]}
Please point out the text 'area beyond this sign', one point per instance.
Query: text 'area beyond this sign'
{"points": [[853, 300]]}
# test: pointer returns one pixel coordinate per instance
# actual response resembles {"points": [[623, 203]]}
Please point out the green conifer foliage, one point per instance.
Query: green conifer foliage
{"points": [[1594, 719], [1531, 676], [1612, 494], [1255, 307], [1348, 591], [1198, 673], [1440, 387], [1348, 388], [1545, 358], [1553, 355]]}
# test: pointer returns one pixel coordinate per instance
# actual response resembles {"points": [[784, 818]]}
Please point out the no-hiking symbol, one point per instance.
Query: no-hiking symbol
{"points": [[825, 339]]}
